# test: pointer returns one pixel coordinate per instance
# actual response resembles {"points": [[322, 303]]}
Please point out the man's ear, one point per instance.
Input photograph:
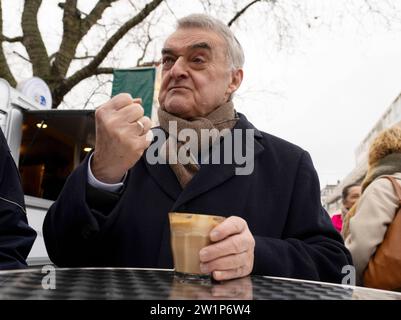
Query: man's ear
{"points": [[236, 79]]}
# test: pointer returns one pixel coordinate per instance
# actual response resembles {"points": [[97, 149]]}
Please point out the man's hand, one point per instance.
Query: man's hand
{"points": [[120, 139], [232, 254]]}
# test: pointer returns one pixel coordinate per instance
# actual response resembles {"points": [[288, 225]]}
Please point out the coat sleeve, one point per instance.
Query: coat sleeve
{"points": [[16, 237], [374, 213], [310, 247], [74, 225]]}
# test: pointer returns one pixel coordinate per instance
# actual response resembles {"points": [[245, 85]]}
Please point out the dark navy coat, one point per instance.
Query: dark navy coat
{"points": [[16, 237], [280, 201]]}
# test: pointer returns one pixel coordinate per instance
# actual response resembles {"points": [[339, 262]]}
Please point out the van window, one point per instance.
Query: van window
{"points": [[53, 144]]}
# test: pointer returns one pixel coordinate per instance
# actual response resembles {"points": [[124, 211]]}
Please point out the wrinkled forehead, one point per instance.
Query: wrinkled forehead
{"points": [[184, 39]]}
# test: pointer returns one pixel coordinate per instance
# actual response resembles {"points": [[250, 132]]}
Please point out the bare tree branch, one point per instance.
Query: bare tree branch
{"points": [[103, 70], [171, 11], [95, 91], [75, 29], [89, 69], [373, 9], [21, 56], [33, 41], [149, 63], [146, 45], [241, 12], [7, 39], [95, 14], [140, 59], [206, 4], [84, 57], [132, 4], [52, 56]]}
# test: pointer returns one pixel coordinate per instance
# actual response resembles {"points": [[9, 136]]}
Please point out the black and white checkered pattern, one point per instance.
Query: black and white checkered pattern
{"points": [[114, 283]]}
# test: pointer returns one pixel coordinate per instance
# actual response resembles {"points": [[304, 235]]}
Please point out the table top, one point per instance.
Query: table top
{"points": [[159, 284]]}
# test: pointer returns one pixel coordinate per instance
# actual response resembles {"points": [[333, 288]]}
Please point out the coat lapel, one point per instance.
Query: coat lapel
{"points": [[212, 175], [165, 178], [209, 176]]}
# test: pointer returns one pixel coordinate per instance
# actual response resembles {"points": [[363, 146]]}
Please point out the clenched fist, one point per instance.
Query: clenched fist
{"points": [[120, 139]]}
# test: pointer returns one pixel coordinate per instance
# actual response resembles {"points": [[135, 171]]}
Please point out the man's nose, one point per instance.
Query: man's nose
{"points": [[179, 69]]}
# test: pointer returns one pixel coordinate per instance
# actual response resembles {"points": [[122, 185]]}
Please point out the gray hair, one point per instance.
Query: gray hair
{"points": [[203, 21]]}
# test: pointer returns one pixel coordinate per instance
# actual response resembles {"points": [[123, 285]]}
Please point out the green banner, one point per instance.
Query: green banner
{"points": [[139, 82]]}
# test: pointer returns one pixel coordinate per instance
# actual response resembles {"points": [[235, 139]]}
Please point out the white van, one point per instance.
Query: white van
{"points": [[46, 144]]}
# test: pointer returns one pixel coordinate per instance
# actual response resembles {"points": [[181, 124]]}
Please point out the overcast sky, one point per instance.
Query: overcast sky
{"points": [[332, 88], [324, 90]]}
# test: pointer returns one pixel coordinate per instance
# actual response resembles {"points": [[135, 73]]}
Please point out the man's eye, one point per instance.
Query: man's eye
{"points": [[168, 61], [198, 60]]}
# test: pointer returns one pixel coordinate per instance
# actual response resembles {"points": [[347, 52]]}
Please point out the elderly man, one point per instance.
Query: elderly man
{"points": [[16, 237], [113, 211]]}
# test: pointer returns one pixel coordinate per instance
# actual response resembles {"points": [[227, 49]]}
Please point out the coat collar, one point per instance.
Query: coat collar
{"points": [[209, 176]]}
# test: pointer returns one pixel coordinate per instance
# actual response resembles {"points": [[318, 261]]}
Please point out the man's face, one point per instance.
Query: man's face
{"points": [[196, 76]]}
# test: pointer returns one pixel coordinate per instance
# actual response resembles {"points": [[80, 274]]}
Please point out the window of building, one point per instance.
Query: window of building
{"points": [[53, 144]]}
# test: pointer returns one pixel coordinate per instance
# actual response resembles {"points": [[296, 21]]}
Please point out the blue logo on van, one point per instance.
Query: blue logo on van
{"points": [[42, 100]]}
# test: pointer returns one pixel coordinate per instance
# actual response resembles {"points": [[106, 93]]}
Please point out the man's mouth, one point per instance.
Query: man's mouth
{"points": [[178, 87]]}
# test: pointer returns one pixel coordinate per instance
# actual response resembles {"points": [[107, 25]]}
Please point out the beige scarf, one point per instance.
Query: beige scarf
{"points": [[224, 117], [388, 165]]}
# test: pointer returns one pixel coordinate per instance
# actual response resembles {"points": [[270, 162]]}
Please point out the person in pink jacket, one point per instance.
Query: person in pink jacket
{"points": [[350, 195]]}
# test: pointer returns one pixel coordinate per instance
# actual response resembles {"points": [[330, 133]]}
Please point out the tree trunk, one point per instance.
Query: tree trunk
{"points": [[5, 71], [33, 41]]}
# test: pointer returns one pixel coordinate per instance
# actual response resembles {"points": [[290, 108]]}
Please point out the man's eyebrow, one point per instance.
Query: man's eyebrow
{"points": [[167, 51], [201, 45]]}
